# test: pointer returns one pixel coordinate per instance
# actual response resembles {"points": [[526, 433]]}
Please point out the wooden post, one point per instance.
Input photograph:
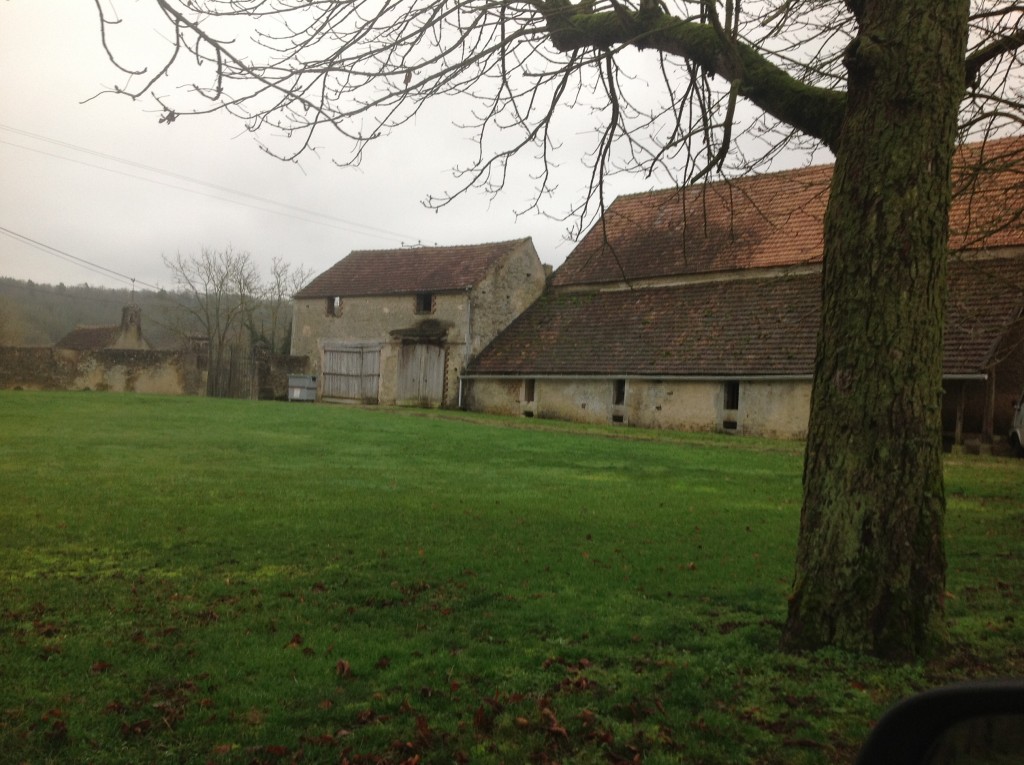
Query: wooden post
{"points": [[987, 425], [958, 431]]}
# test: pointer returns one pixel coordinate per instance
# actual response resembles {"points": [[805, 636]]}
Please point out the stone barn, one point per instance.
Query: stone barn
{"points": [[399, 326], [698, 308]]}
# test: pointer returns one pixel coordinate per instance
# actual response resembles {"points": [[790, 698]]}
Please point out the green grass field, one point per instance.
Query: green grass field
{"points": [[194, 580]]}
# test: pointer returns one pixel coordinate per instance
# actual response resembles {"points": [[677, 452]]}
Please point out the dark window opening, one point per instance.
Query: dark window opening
{"points": [[425, 302], [527, 414], [729, 425], [334, 306], [619, 397], [618, 418], [529, 390], [732, 395]]}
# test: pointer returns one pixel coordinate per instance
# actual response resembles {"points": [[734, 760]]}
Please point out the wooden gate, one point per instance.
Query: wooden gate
{"points": [[351, 372], [421, 375]]}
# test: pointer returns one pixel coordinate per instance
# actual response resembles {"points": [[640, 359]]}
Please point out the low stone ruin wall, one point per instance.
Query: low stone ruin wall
{"points": [[173, 373]]}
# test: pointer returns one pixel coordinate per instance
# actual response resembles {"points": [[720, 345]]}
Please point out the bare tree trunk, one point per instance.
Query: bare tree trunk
{"points": [[870, 564]]}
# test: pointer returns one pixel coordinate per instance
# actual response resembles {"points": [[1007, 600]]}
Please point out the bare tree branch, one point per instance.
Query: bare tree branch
{"points": [[297, 72], [291, 70]]}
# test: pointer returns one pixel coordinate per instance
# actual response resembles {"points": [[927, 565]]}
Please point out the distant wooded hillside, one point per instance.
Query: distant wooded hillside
{"points": [[41, 314]]}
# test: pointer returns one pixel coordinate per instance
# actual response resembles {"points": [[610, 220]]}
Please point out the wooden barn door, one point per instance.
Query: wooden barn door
{"points": [[421, 375], [351, 372]]}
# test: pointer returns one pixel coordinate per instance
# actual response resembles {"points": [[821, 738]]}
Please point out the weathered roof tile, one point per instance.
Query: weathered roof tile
{"points": [[730, 328], [751, 222], [776, 219], [93, 338], [408, 270]]}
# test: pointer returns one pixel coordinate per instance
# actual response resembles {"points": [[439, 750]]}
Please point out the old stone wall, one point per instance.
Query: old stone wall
{"points": [[138, 371], [388, 320], [373, 319], [509, 288], [173, 373], [778, 408], [495, 396], [769, 408]]}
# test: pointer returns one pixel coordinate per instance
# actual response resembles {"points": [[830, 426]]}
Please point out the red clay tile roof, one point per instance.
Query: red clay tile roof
{"points": [[90, 338], [752, 222], [988, 188], [775, 220], [728, 328], [408, 270]]}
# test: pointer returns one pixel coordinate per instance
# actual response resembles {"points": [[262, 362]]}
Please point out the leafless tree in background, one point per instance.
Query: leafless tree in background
{"points": [[221, 290], [687, 89], [275, 328], [224, 298]]}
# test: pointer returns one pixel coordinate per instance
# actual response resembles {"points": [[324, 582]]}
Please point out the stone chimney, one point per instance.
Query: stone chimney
{"points": [[131, 330]]}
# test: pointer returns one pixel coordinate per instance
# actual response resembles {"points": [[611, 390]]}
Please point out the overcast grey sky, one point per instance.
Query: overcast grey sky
{"points": [[105, 182]]}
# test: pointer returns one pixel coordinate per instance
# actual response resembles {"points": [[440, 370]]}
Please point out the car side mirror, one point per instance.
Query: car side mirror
{"points": [[974, 722]]}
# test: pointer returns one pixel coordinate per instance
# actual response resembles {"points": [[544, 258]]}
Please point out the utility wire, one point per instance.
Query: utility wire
{"points": [[296, 212], [174, 186], [87, 264]]}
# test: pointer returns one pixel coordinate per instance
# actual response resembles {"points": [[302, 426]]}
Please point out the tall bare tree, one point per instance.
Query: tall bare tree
{"points": [[221, 288], [285, 280], [690, 87]]}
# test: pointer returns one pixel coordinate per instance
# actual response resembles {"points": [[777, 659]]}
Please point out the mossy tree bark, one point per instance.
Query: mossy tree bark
{"points": [[870, 570]]}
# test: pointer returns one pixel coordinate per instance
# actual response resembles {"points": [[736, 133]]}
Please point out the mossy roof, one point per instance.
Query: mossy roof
{"points": [[409, 270], [752, 327], [776, 219]]}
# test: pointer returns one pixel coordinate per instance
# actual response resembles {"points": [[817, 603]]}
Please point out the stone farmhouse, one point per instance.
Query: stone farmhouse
{"points": [[698, 308], [400, 326]]}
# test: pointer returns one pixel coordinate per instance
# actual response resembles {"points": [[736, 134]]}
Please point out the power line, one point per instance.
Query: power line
{"points": [[82, 262], [301, 213], [167, 185]]}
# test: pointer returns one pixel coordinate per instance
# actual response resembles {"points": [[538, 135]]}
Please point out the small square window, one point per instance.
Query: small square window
{"points": [[425, 302], [732, 395], [333, 307]]}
